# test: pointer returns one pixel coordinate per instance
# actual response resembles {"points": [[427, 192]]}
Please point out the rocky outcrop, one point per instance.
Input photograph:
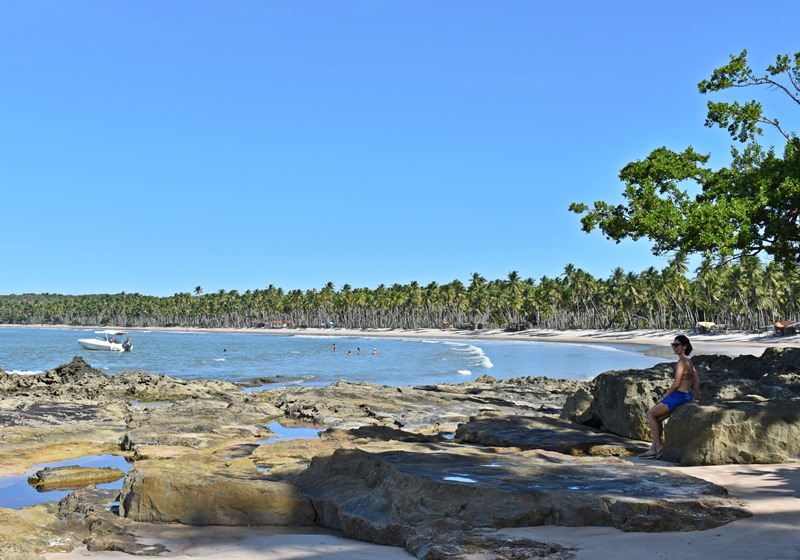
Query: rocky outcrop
{"points": [[389, 497], [449, 539], [435, 469], [196, 423], [747, 410], [199, 490], [76, 410], [740, 431], [71, 477], [541, 432], [78, 380], [426, 409], [27, 533]]}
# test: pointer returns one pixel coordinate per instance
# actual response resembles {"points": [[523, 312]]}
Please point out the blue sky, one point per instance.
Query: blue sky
{"points": [[153, 147]]}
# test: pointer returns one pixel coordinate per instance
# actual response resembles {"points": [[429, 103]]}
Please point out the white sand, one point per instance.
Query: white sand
{"points": [[733, 343], [246, 543], [771, 491]]}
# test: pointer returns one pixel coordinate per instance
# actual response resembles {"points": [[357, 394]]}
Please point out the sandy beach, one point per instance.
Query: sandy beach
{"points": [[731, 343], [771, 491], [650, 342]]}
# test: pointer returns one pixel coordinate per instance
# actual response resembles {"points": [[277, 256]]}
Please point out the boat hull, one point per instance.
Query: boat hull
{"points": [[100, 345]]}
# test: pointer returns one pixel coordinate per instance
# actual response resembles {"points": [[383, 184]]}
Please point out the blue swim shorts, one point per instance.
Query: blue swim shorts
{"points": [[676, 399]]}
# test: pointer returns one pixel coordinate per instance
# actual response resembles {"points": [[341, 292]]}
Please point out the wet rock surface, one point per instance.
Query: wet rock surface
{"points": [[435, 469]]}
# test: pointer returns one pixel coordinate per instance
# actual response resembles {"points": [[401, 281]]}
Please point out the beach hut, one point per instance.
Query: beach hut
{"points": [[786, 328], [704, 327]]}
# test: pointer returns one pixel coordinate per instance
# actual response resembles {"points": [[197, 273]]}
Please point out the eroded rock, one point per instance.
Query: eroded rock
{"points": [[202, 490], [747, 410], [541, 432], [71, 477], [384, 468], [743, 431], [384, 497]]}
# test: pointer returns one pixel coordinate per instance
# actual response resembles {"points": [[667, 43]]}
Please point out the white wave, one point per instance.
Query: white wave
{"points": [[24, 372], [464, 372], [475, 355], [479, 356], [219, 359]]}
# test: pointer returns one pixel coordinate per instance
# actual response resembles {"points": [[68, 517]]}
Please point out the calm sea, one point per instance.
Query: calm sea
{"points": [[310, 360]]}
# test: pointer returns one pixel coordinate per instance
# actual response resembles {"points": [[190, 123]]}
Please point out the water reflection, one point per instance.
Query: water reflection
{"points": [[15, 492], [290, 432]]}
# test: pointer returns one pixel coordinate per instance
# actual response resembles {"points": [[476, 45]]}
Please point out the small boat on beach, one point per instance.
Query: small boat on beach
{"points": [[107, 341]]}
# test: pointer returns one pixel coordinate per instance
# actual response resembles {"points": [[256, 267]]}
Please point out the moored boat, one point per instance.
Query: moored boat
{"points": [[108, 341]]}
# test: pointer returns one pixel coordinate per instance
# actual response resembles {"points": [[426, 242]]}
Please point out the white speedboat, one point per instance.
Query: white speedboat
{"points": [[108, 341]]}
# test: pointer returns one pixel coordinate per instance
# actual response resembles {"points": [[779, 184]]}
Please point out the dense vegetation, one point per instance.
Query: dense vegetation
{"points": [[744, 296], [748, 208]]}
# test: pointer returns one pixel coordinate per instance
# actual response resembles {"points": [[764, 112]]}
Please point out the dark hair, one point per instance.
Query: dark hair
{"points": [[683, 339]]}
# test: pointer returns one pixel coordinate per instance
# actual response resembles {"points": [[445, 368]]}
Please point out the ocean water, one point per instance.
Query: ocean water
{"points": [[297, 359]]}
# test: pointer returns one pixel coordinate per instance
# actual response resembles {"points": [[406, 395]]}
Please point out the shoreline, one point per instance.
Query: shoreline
{"points": [[651, 342]]}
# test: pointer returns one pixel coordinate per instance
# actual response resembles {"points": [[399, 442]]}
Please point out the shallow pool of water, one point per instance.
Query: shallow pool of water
{"points": [[15, 492], [291, 432]]}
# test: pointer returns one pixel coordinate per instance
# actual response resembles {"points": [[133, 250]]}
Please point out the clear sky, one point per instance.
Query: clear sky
{"points": [[155, 146]]}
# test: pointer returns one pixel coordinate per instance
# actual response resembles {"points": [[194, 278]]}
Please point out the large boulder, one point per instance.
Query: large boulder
{"points": [[388, 497], [746, 410], [201, 490], [622, 398], [739, 432]]}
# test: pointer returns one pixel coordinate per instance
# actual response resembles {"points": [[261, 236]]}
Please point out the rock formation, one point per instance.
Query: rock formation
{"points": [[748, 410], [72, 477], [435, 469]]}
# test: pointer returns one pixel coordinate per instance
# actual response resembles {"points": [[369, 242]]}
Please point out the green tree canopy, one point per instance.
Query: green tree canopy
{"points": [[747, 208]]}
